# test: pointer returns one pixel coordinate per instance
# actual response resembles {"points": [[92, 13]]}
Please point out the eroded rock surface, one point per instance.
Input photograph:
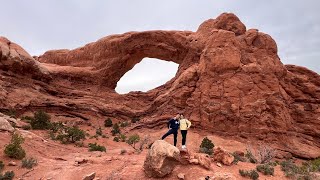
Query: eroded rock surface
{"points": [[230, 82]]}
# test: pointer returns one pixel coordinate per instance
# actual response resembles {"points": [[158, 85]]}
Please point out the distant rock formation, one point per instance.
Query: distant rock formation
{"points": [[230, 82]]}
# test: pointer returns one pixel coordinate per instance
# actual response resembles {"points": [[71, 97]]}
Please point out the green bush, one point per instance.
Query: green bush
{"points": [[1, 165], [108, 123], [265, 169], [135, 119], [116, 139], [14, 149], [41, 120], [99, 131], [27, 119], [252, 174], [9, 175], [71, 135], [249, 155], [311, 166], [123, 138], [206, 146], [289, 168], [26, 127], [115, 129], [124, 124], [29, 163], [96, 147], [56, 127], [237, 158], [132, 140], [11, 112]]}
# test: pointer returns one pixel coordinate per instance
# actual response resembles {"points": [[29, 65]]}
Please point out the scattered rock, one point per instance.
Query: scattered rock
{"points": [[221, 155], [219, 164], [12, 163], [79, 160], [90, 176], [161, 159], [239, 153], [203, 159], [194, 161], [181, 176]]}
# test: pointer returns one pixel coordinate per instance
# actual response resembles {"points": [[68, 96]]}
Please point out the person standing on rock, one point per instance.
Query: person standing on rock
{"points": [[173, 126], [185, 124]]}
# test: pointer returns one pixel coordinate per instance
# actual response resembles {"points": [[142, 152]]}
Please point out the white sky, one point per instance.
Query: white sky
{"points": [[41, 25]]}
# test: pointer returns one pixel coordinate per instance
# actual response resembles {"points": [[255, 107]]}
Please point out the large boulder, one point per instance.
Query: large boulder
{"points": [[161, 159], [223, 156], [5, 124]]}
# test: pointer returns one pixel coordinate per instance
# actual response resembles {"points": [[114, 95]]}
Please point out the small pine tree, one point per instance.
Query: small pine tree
{"points": [[41, 120], [14, 149], [132, 140], [115, 129], [108, 123], [206, 146]]}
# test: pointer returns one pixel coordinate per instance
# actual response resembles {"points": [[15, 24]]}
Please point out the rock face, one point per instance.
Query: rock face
{"points": [[230, 82], [15, 59], [161, 159]]}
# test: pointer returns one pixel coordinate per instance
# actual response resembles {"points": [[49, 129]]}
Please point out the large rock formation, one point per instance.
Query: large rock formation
{"points": [[161, 159], [230, 82]]}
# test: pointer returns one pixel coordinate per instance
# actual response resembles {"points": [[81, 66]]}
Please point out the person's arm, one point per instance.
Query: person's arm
{"points": [[189, 123], [168, 123]]}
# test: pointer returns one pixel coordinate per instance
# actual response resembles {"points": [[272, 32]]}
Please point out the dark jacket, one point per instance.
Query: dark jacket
{"points": [[174, 124]]}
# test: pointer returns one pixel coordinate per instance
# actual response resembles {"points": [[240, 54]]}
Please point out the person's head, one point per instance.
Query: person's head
{"points": [[181, 116], [177, 116]]}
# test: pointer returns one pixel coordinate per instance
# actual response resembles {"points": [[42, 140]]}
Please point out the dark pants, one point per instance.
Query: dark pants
{"points": [[175, 135], [184, 136]]}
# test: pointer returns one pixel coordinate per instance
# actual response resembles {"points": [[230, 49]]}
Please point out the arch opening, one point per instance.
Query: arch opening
{"points": [[146, 75]]}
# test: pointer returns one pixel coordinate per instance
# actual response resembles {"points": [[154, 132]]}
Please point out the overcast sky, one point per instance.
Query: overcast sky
{"points": [[41, 25]]}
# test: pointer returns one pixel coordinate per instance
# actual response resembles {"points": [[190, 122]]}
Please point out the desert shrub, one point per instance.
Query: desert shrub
{"points": [[11, 112], [108, 123], [135, 119], [104, 136], [56, 127], [26, 127], [1, 165], [96, 147], [9, 175], [99, 131], [206, 146], [252, 174], [237, 158], [124, 124], [265, 169], [41, 120], [265, 154], [29, 163], [71, 135], [122, 137], [289, 168], [311, 166], [14, 149], [132, 140], [249, 155], [116, 139], [144, 142], [115, 129]]}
